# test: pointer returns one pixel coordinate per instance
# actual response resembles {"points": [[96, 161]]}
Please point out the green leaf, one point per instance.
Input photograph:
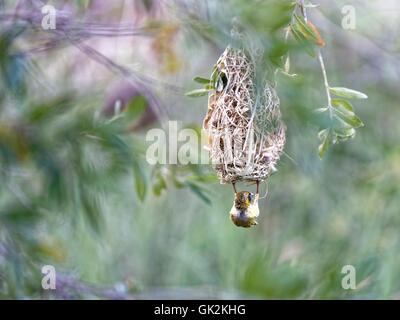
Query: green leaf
{"points": [[178, 184], [344, 110], [159, 184], [44, 111], [348, 93], [207, 178], [325, 137], [287, 64], [345, 133], [341, 130], [267, 16], [92, 208], [201, 80], [343, 104], [135, 107], [197, 191], [16, 214], [140, 181], [277, 51], [302, 40], [320, 110], [305, 29], [197, 93]]}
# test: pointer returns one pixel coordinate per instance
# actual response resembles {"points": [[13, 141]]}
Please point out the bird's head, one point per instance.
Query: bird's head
{"points": [[243, 200]]}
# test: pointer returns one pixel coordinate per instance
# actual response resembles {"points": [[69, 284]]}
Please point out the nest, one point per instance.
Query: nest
{"points": [[245, 133]]}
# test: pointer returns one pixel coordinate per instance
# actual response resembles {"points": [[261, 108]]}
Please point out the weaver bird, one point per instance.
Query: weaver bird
{"points": [[245, 208]]}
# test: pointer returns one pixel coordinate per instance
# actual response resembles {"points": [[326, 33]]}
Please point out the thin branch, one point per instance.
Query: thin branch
{"points": [[127, 74], [82, 29], [321, 63], [303, 10], [326, 84]]}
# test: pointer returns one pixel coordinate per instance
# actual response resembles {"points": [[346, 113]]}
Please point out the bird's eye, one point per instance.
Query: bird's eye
{"points": [[250, 196]]}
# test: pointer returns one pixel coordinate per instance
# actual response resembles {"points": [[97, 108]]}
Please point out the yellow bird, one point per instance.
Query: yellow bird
{"points": [[245, 208]]}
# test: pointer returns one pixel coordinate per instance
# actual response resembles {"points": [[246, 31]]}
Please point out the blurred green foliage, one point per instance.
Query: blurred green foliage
{"points": [[77, 193]]}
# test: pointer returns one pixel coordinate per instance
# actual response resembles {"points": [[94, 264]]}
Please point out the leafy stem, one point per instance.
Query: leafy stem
{"points": [[321, 62], [326, 84], [343, 120]]}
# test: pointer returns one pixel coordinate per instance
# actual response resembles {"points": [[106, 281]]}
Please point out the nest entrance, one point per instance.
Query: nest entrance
{"points": [[245, 133]]}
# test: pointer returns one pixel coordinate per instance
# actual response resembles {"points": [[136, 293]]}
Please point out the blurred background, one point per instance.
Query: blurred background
{"points": [[76, 191]]}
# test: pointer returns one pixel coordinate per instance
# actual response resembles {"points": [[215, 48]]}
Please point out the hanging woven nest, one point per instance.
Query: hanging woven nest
{"points": [[245, 133]]}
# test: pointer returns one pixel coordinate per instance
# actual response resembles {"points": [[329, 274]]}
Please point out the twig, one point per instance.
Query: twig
{"points": [[321, 63], [326, 84], [77, 32], [303, 10], [127, 74]]}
